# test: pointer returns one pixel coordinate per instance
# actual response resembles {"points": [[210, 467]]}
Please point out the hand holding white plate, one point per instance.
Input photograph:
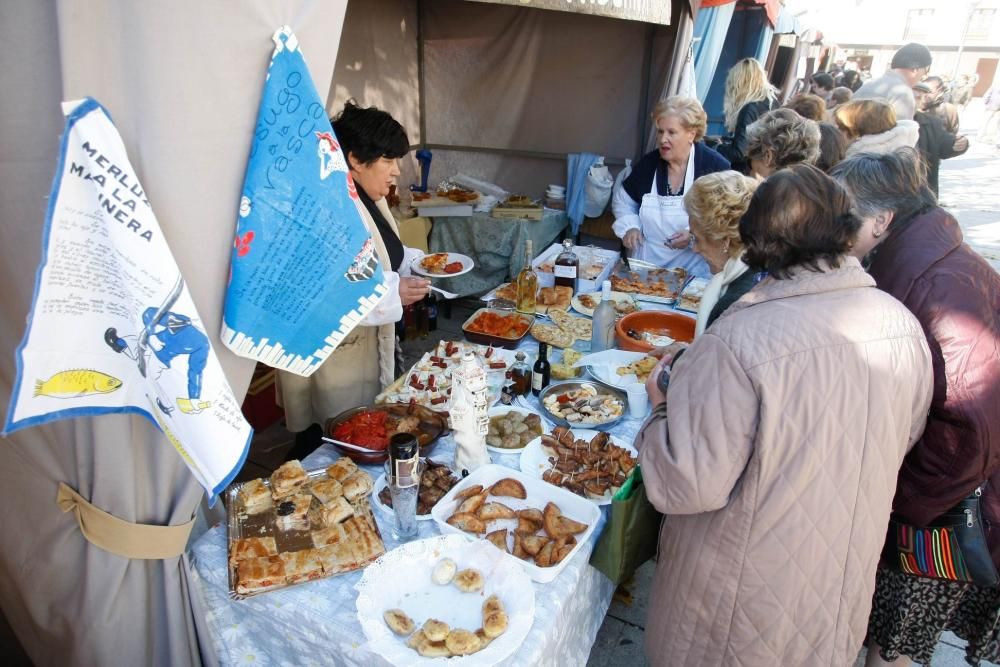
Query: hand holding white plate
{"points": [[442, 265]]}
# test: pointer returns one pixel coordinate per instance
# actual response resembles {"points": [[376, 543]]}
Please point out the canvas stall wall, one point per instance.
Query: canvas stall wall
{"points": [[508, 91], [182, 81]]}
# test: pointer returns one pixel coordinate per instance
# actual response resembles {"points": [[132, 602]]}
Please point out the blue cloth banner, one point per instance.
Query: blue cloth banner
{"points": [[304, 265], [577, 166], [112, 327]]}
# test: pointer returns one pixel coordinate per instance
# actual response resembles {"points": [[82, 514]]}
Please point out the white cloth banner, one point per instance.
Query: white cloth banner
{"points": [[112, 326]]}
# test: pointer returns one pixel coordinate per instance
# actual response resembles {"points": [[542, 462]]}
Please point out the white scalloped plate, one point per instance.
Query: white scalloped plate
{"points": [[401, 579]]}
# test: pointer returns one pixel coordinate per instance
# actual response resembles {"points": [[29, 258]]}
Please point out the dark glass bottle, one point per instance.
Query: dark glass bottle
{"points": [[404, 452], [541, 372], [520, 375], [432, 311], [420, 307], [409, 322], [567, 266]]}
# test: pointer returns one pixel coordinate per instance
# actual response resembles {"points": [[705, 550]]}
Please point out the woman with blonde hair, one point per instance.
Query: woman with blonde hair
{"points": [[650, 218], [749, 95], [870, 126]]}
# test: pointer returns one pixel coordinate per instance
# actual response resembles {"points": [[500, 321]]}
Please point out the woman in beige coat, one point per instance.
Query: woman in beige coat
{"points": [[363, 364], [774, 453]]}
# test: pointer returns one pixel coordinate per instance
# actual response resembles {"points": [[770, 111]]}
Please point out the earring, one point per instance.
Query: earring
{"points": [[876, 233]]}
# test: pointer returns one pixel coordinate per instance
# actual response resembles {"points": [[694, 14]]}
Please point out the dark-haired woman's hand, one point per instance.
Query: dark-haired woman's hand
{"points": [[413, 289]]}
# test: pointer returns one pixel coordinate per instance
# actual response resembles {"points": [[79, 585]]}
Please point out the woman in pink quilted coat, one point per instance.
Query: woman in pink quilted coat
{"points": [[775, 451]]}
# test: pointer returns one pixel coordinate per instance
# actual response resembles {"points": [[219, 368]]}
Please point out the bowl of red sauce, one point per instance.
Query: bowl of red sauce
{"points": [[372, 426]]}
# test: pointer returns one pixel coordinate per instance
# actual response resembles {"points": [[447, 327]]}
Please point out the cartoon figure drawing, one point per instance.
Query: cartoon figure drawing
{"points": [[169, 335], [331, 159], [364, 263], [76, 382]]}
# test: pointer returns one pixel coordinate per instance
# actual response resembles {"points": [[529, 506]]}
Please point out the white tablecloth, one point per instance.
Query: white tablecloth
{"points": [[316, 623]]}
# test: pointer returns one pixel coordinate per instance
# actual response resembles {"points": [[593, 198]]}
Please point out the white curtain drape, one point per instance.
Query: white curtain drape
{"points": [[182, 81]]}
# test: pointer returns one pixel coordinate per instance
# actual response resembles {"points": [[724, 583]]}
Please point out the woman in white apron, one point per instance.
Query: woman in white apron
{"points": [[649, 206]]}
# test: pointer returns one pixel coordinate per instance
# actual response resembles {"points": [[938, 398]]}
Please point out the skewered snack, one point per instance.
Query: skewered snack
{"points": [[589, 469]]}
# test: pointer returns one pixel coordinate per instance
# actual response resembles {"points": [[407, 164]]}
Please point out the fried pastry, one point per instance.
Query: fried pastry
{"points": [[484, 641], [337, 558], [510, 487], [293, 513], [473, 490], [444, 572], [287, 479], [532, 544], [357, 485], [302, 565], [494, 511], [255, 496], [469, 580], [327, 490], [529, 521], [398, 621], [254, 575], [472, 503], [252, 547], [416, 639], [494, 624], [498, 538], [333, 513], [342, 469], [544, 557], [462, 642], [430, 649], [470, 523], [556, 525], [519, 551], [435, 630]]}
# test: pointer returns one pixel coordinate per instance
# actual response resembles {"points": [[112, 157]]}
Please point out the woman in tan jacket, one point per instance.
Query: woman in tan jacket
{"points": [[774, 453]]}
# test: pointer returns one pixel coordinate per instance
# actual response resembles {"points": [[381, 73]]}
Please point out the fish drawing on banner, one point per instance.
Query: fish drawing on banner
{"points": [[303, 271], [107, 274]]}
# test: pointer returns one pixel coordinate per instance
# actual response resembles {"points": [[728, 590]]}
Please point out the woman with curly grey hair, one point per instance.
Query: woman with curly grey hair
{"points": [[780, 139]]}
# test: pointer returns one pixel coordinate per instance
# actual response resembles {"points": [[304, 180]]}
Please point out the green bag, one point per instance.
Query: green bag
{"points": [[631, 534]]}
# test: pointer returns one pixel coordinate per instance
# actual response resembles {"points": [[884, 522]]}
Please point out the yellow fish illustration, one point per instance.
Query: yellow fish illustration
{"points": [[76, 382]]}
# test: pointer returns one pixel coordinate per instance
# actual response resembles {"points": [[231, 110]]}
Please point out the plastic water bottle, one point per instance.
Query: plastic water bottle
{"points": [[603, 334]]}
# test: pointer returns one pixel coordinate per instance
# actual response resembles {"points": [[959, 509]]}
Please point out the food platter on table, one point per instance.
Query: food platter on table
{"points": [[583, 404], [436, 480], [585, 303], [298, 526], [372, 426], [534, 523], [656, 285], [564, 330], [690, 298], [428, 382], [501, 418], [442, 265], [483, 582], [591, 464], [547, 299]]}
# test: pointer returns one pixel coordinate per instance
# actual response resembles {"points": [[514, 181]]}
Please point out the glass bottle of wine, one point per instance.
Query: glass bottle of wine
{"points": [[527, 283]]}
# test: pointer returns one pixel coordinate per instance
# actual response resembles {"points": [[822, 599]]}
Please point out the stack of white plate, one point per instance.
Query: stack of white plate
{"points": [[555, 197]]}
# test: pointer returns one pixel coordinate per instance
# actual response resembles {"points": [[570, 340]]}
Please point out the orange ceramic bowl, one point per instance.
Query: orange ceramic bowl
{"points": [[677, 326]]}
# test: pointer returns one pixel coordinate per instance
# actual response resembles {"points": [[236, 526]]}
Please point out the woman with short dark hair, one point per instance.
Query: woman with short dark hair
{"points": [[914, 251], [770, 451], [363, 364], [832, 146]]}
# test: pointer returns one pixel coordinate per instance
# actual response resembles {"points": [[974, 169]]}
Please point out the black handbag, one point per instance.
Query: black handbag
{"points": [[951, 547]]}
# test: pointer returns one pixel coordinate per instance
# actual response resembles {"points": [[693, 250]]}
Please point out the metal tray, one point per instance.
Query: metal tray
{"points": [[242, 525], [570, 385], [675, 278]]}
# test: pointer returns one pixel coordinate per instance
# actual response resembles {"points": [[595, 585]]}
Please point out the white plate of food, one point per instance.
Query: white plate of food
{"points": [[442, 265], [538, 515], [621, 368], [511, 428], [396, 610], [535, 461], [586, 303], [435, 483]]}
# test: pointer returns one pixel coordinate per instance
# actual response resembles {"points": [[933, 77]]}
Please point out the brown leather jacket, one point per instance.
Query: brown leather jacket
{"points": [[955, 295]]}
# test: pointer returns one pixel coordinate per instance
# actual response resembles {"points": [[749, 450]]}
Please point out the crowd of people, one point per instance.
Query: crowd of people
{"points": [[838, 407]]}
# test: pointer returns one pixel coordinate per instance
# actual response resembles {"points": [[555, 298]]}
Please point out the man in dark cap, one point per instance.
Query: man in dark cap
{"points": [[910, 65]]}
